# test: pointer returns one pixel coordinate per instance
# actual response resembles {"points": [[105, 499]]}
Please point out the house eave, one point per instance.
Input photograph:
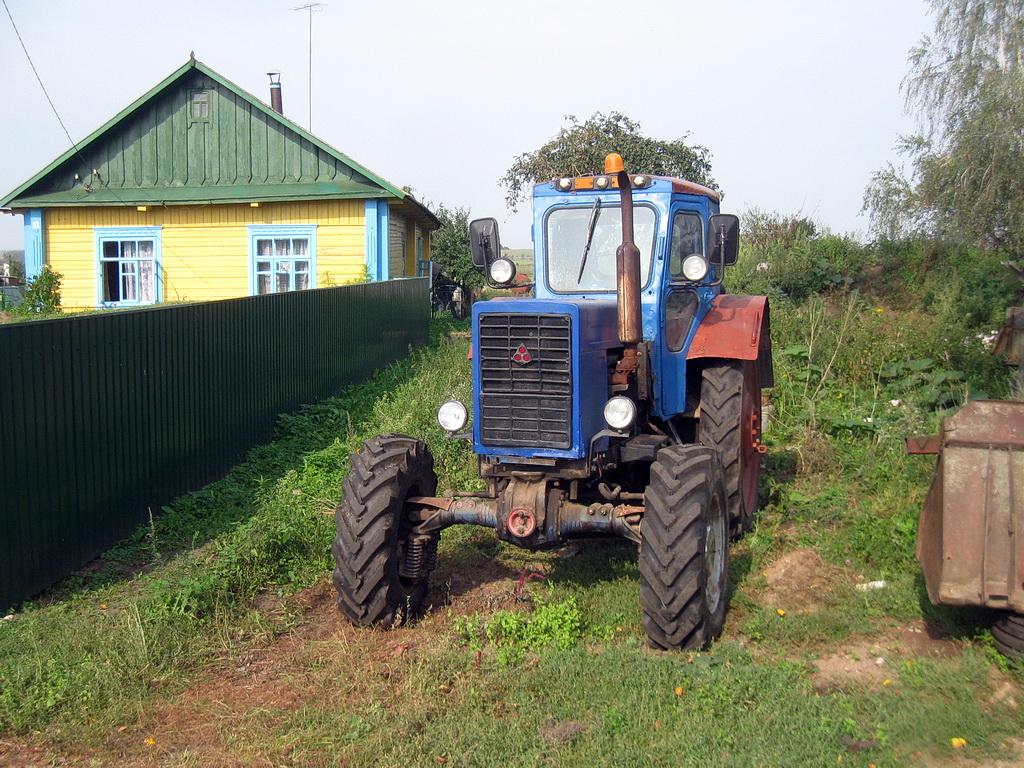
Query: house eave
{"points": [[169, 196], [81, 198]]}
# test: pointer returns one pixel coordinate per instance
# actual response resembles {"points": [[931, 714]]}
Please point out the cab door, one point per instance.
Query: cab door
{"points": [[683, 304]]}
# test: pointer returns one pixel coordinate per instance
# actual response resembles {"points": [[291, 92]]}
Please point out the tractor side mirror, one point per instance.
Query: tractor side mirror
{"points": [[724, 238], [484, 243]]}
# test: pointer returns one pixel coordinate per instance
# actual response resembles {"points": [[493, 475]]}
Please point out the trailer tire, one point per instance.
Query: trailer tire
{"points": [[381, 568], [684, 549], [1008, 632], [730, 421]]}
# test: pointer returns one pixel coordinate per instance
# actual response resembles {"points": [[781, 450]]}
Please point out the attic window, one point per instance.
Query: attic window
{"points": [[200, 106]]}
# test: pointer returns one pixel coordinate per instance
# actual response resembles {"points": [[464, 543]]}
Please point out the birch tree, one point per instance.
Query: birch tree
{"points": [[964, 179]]}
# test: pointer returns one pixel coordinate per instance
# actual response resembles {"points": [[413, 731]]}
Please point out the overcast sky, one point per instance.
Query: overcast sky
{"points": [[798, 100]]}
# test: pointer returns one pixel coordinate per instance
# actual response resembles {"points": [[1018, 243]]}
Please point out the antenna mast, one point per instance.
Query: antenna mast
{"points": [[311, 8]]}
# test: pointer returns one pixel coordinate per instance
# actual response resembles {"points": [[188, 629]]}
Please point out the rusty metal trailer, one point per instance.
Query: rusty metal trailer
{"points": [[971, 532]]}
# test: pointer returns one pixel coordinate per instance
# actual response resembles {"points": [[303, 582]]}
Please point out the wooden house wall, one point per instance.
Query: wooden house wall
{"points": [[396, 244], [204, 249], [404, 237]]}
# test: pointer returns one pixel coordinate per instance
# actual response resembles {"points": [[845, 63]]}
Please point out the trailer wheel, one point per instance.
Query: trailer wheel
{"points": [[684, 549], [730, 420], [1008, 632], [381, 567]]}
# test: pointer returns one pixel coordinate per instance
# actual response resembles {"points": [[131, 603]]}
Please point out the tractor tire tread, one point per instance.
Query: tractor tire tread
{"points": [[1008, 633], [370, 592], [671, 551], [721, 418]]}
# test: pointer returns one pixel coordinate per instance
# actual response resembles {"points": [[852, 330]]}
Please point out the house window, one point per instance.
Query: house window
{"points": [[282, 258], [200, 106], [129, 266]]}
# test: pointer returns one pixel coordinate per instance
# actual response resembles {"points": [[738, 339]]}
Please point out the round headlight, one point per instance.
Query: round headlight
{"points": [[602, 182], [452, 416], [641, 181], [695, 267], [565, 183], [619, 412], [503, 271]]}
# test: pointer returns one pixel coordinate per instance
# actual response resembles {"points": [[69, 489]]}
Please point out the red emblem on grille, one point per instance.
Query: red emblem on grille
{"points": [[522, 355]]}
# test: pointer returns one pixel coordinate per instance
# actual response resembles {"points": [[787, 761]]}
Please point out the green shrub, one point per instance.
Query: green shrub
{"points": [[42, 294]]}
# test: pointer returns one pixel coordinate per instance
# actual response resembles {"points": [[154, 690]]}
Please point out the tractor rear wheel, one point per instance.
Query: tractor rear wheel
{"points": [[730, 421], [684, 549], [1008, 632], [381, 567]]}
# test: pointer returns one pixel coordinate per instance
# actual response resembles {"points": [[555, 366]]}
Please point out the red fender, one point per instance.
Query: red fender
{"points": [[736, 328]]}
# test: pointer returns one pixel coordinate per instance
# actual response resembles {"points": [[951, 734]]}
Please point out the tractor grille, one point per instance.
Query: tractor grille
{"points": [[525, 380]]}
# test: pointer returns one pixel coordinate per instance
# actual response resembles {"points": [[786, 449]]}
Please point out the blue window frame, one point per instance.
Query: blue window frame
{"points": [[281, 258], [128, 266]]}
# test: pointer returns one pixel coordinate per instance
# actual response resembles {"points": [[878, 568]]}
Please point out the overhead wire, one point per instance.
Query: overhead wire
{"points": [[75, 146], [39, 80]]}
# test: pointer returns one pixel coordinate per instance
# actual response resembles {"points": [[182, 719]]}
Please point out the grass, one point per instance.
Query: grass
{"points": [[226, 649]]}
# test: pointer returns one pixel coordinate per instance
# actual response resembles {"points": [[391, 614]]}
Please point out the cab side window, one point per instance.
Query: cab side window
{"points": [[687, 238]]}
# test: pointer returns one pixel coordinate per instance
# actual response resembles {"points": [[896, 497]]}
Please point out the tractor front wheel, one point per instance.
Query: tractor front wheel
{"points": [[684, 549], [381, 566]]}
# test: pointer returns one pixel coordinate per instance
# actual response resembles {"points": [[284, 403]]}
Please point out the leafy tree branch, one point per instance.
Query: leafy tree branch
{"points": [[580, 149]]}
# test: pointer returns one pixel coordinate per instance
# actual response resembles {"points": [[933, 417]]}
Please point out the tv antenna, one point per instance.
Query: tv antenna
{"points": [[311, 8]]}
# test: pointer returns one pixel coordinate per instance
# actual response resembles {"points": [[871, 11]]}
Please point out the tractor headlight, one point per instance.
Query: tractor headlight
{"points": [[695, 267], [503, 271], [603, 182], [565, 183], [452, 416], [620, 412]]}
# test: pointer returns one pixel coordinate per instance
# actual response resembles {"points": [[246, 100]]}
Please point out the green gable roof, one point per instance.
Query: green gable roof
{"points": [[155, 152]]}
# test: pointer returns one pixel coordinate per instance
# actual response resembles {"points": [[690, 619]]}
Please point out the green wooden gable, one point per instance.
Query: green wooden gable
{"points": [[198, 138]]}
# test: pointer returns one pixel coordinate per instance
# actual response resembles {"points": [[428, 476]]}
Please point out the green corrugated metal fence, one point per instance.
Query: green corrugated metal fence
{"points": [[106, 416]]}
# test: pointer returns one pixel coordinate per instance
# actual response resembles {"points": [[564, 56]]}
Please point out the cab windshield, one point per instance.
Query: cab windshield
{"points": [[581, 244]]}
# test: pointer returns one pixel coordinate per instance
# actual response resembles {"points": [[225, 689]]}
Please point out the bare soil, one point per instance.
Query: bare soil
{"points": [[800, 580]]}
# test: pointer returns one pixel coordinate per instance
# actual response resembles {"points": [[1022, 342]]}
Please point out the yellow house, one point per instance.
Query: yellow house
{"points": [[200, 191]]}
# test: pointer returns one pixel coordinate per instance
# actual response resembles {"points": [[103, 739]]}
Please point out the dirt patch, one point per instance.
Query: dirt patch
{"points": [[861, 664], [801, 581], [563, 732], [1013, 747], [925, 640], [879, 662]]}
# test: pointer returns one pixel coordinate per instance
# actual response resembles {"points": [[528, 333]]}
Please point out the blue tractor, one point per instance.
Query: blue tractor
{"points": [[622, 399]]}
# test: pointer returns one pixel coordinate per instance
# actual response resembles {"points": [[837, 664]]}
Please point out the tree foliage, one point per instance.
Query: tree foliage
{"points": [[580, 149], [449, 247], [966, 167]]}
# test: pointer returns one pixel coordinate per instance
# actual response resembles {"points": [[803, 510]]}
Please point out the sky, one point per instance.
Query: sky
{"points": [[798, 100]]}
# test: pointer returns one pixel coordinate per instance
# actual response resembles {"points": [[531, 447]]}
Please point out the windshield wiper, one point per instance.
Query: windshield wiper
{"points": [[590, 237]]}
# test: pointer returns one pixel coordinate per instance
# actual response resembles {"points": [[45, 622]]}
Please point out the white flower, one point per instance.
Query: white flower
{"points": [[987, 339], [762, 266], [895, 403]]}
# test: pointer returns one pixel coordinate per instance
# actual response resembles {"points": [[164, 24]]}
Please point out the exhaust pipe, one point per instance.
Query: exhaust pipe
{"points": [[627, 260]]}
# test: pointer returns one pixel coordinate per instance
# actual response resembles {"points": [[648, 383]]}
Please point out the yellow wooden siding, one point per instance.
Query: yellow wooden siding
{"points": [[204, 249]]}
